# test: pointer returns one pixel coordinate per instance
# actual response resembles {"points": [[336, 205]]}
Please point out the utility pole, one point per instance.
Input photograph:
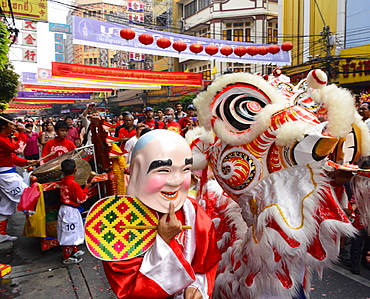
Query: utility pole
{"points": [[328, 58]]}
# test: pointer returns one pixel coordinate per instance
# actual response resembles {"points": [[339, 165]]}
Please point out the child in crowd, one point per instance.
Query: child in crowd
{"points": [[70, 226], [59, 145]]}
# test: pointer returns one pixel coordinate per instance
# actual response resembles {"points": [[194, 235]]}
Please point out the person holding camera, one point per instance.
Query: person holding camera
{"points": [[189, 121], [169, 121]]}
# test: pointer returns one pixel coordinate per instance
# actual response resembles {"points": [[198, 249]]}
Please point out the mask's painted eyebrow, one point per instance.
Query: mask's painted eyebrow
{"points": [[189, 161], [159, 163]]}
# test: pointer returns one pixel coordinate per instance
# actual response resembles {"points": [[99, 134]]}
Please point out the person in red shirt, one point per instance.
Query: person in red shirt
{"points": [[11, 183], [59, 145], [189, 121], [128, 131], [70, 226], [170, 123], [150, 122]]}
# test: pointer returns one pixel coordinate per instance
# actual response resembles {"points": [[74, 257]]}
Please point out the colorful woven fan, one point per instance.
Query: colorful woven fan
{"points": [[119, 228]]}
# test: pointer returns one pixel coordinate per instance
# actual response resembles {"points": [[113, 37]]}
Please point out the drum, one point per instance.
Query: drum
{"points": [[51, 171]]}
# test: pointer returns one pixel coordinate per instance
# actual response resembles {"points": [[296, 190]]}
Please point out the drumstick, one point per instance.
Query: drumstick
{"points": [[47, 156], [13, 123], [38, 161]]}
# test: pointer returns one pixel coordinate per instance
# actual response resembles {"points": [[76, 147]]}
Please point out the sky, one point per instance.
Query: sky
{"points": [[45, 41]]}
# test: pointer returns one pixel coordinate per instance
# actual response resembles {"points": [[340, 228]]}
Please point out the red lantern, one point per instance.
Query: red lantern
{"points": [[287, 46], [196, 48], [252, 50], [146, 39], [127, 33], [263, 50], [211, 50], [163, 42], [274, 49], [226, 50], [240, 51], [179, 46]]}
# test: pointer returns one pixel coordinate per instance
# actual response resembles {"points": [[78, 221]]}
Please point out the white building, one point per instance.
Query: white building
{"points": [[249, 21]]}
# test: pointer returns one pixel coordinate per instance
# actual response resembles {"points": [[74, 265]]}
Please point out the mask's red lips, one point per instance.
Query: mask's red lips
{"points": [[170, 195]]}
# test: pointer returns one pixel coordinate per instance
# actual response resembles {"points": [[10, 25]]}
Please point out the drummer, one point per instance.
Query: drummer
{"points": [[59, 145], [11, 183]]}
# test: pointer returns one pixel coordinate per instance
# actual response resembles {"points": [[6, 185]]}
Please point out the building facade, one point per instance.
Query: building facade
{"points": [[249, 21]]}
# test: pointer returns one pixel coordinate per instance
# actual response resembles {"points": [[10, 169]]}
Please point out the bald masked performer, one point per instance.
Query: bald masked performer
{"points": [[181, 263]]}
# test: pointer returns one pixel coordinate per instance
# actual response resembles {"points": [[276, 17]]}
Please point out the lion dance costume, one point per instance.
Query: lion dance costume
{"points": [[269, 145]]}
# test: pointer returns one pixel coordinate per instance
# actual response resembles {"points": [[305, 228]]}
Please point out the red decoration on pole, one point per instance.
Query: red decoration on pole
{"points": [[263, 50], [127, 33], [226, 50], [146, 39], [179, 46], [240, 51], [163, 42], [196, 48], [211, 50], [274, 49], [252, 50], [287, 46]]}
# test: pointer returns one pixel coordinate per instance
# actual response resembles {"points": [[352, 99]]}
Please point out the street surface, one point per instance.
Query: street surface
{"points": [[41, 274]]}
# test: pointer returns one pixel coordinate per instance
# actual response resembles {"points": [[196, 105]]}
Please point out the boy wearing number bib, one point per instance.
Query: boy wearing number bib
{"points": [[70, 227]]}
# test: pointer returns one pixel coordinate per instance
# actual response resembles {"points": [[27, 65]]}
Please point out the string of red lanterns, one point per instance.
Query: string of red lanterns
{"points": [[180, 46]]}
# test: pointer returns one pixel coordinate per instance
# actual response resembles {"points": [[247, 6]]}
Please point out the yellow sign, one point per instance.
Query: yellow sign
{"points": [[36, 10], [354, 70]]}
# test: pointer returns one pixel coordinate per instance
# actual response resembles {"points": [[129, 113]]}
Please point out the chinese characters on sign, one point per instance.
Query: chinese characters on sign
{"points": [[29, 39], [29, 55]]}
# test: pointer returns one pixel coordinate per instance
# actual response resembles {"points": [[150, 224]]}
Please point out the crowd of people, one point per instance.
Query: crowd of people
{"points": [[51, 137], [35, 141]]}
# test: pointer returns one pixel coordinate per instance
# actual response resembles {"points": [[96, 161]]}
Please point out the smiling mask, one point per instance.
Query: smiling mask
{"points": [[160, 170]]}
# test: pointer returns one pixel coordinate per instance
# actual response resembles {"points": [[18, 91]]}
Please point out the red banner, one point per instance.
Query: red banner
{"points": [[43, 101], [29, 107], [107, 74], [64, 88]]}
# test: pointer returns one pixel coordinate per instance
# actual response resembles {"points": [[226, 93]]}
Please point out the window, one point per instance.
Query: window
{"points": [[238, 35], [206, 71], [206, 75], [272, 32], [205, 33], [226, 34], [238, 67], [247, 37], [203, 4], [241, 32], [190, 9]]}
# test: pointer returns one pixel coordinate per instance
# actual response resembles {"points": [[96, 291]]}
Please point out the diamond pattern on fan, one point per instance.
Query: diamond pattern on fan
{"points": [[106, 235]]}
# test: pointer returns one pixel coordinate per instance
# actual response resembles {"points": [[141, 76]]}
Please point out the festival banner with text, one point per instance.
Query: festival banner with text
{"points": [[106, 35], [43, 80], [50, 98], [126, 76]]}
